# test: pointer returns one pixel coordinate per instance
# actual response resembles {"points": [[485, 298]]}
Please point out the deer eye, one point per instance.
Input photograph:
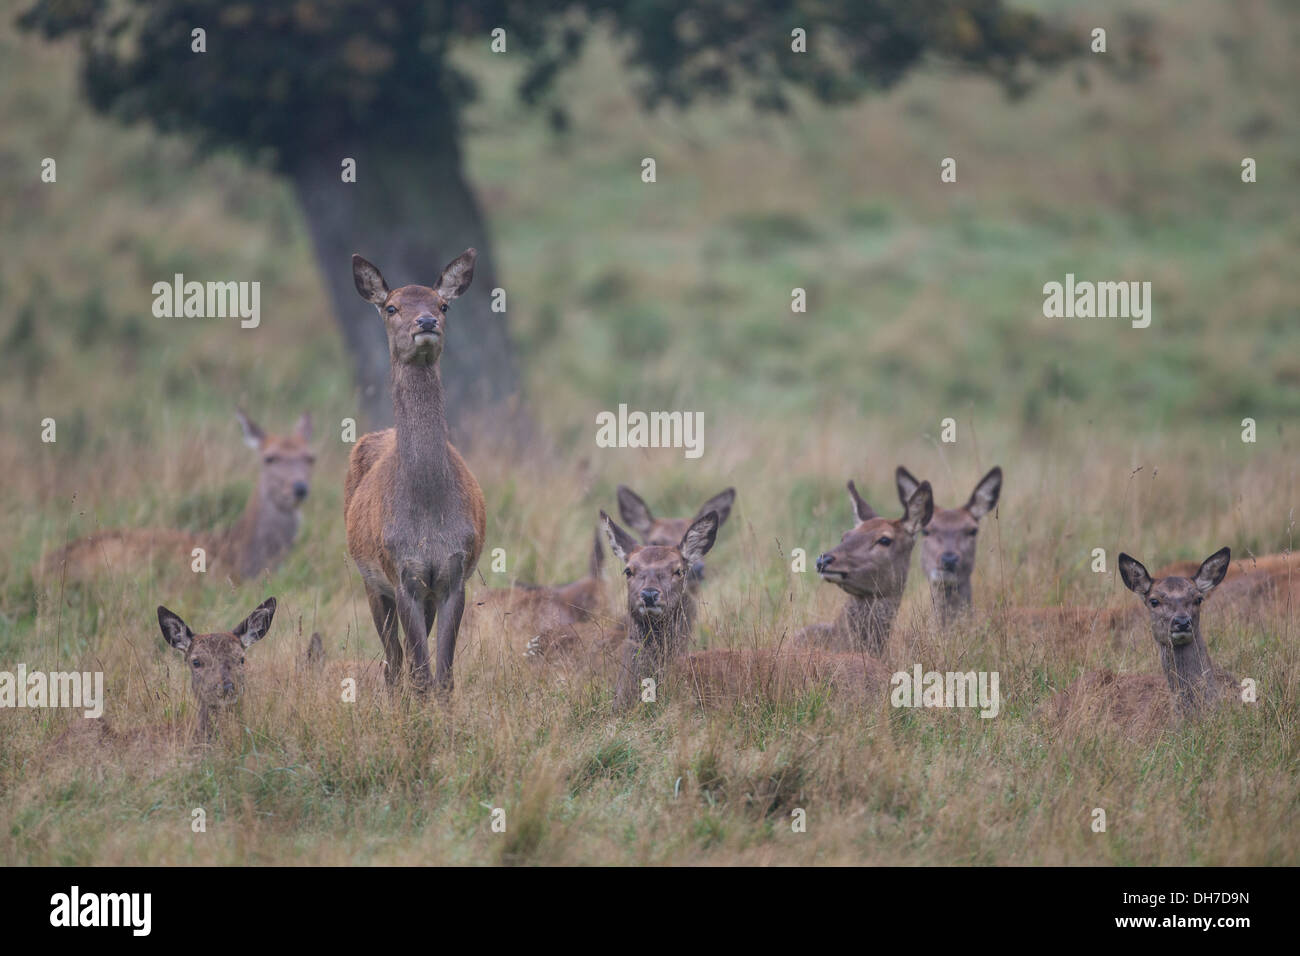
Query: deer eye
{"points": [[196, 662], [885, 541], [678, 572], [925, 532], [1154, 603], [241, 660], [391, 310], [627, 572], [972, 532], [1197, 602], [444, 307]]}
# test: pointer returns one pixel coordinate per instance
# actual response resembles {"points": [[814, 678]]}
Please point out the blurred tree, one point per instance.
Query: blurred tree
{"points": [[314, 81]]}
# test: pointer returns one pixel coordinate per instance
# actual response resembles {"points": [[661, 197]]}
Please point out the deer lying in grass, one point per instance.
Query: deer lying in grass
{"points": [[216, 665], [870, 565], [653, 639], [667, 532], [531, 609], [258, 541], [1191, 683], [948, 548], [334, 671], [414, 512]]}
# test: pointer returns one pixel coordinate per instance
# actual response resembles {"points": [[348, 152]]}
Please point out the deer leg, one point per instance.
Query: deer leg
{"points": [[384, 612], [410, 609], [449, 614]]}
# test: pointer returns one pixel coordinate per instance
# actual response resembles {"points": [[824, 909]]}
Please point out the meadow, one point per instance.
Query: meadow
{"points": [[924, 303]]}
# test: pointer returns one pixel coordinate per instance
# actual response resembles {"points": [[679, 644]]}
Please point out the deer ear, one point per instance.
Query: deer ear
{"points": [[861, 510], [634, 511], [719, 504], [985, 496], [254, 627], [1212, 570], [369, 281], [304, 426], [315, 649], [620, 542], [699, 538], [175, 631], [920, 508], [1134, 575], [253, 434], [458, 275], [906, 483]]}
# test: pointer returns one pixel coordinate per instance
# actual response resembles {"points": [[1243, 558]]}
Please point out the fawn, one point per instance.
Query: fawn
{"points": [[948, 548], [415, 515], [216, 660], [258, 541], [534, 608], [667, 532], [870, 565], [1191, 682]]}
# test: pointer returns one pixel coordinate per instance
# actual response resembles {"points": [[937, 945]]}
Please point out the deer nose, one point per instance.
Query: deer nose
{"points": [[649, 596], [427, 323], [228, 686], [1182, 622], [824, 561], [300, 490], [949, 560]]}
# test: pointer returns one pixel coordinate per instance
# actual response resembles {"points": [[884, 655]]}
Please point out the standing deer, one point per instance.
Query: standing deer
{"points": [[870, 565], [415, 514], [948, 548], [258, 541], [1191, 682], [667, 532]]}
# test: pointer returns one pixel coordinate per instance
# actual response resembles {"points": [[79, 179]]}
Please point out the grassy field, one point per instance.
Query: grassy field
{"points": [[924, 304]]}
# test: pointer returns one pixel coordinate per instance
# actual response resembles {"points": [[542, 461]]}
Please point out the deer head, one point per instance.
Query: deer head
{"points": [[287, 462], [872, 559], [668, 532], [216, 660], [658, 576], [415, 316], [1174, 603], [948, 548]]}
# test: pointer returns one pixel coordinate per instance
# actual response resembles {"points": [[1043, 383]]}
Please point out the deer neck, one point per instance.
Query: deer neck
{"points": [[1189, 673], [260, 537], [424, 469], [951, 600], [868, 619], [667, 637]]}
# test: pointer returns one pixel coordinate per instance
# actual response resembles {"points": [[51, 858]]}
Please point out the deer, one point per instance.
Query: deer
{"points": [[216, 665], [667, 532], [536, 608], [653, 638], [316, 665], [1190, 685], [414, 513], [870, 565], [256, 542], [948, 545]]}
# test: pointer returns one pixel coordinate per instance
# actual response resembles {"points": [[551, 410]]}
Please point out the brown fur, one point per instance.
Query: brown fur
{"points": [[415, 515], [257, 542], [532, 610], [667, 532], [870, 565]]}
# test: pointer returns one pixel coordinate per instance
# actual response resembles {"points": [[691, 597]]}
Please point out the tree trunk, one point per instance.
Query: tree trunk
{"points": [[410, 212]]}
